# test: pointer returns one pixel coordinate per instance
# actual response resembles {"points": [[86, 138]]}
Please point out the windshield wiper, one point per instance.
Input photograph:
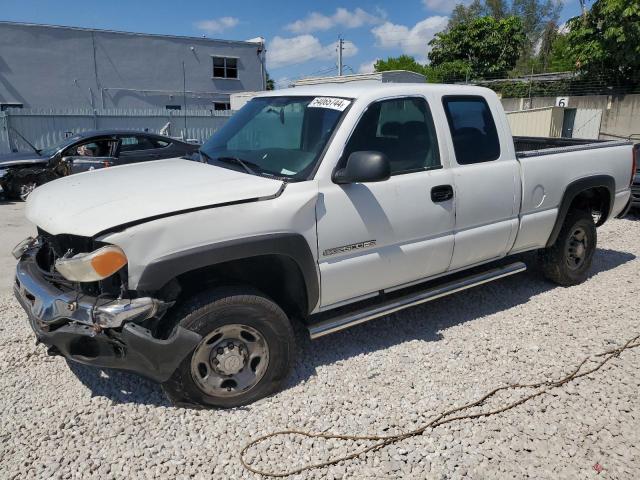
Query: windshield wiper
{"points": [[243, 163], [247, 165]]}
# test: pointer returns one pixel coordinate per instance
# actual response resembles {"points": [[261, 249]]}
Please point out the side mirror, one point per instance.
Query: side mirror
{"points": [[364, 167]]}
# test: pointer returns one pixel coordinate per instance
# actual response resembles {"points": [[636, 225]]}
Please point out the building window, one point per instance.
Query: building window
{"points": [[221, 106], [224, 67], [173, 107]]}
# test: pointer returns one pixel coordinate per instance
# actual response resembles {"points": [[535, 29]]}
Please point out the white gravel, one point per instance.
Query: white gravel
{"points": [[387, 376]]}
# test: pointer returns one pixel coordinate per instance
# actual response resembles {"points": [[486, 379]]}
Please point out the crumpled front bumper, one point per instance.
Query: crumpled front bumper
{"points": [[71, 325]]}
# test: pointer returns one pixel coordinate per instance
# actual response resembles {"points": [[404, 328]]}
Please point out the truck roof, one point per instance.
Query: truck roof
{"points": [[365, 89]]}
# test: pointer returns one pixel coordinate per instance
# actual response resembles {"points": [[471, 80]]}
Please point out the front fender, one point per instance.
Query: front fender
{"points": [[161, 271]]}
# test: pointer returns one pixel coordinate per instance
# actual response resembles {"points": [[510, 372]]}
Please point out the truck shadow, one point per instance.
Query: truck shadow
{"points": [[418, 323], [119, 386], [426, 322]]}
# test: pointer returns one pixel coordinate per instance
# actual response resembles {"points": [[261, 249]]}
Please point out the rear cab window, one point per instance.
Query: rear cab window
{"points": [[473, 130]]}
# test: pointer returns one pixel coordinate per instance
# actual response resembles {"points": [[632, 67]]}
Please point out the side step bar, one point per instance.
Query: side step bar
{"points": [[350, 319]]}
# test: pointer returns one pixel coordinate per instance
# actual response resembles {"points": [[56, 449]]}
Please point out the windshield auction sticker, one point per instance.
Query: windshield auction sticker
{"points": [[330, 102]]}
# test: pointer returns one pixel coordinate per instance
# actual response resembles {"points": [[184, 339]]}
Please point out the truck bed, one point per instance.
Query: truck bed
{"points": [[535, 146]]}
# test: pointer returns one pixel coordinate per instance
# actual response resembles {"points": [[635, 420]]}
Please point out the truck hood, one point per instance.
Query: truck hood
{"points": [[92, 202]]}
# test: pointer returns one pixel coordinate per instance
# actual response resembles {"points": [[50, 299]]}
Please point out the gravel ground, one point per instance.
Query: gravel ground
{"points": [[13, 229], [387, 376]]}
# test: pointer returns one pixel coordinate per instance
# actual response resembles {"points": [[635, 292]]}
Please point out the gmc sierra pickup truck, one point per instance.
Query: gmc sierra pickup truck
{"points": [[329, 205]]}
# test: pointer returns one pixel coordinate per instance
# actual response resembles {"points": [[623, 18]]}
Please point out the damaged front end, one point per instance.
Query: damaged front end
{"points": [[97, 323]]}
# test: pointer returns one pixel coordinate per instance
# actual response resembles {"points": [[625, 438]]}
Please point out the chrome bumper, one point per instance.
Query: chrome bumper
{"points": [[77, 327], [50, 305]]}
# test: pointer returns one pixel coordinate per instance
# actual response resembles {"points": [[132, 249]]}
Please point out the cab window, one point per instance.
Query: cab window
{"points": [[473, 131], [400, 128]]}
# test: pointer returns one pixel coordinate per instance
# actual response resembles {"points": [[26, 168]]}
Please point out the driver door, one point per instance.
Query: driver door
{"points": [[376, 236], [90, 155]]}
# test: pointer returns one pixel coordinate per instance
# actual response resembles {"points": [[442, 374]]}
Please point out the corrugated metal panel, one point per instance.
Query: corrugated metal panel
{"points": [[539, 122], [4, 134], [587, 123], [555, 125], [44, 128]]}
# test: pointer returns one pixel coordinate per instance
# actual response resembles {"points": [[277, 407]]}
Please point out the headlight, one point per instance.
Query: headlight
{"points": [[94, 266], [3, 172], [22, 247]]}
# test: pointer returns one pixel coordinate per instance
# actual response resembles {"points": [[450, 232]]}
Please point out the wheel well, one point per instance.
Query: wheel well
{"points": [[596, 200], [278, 276], [593, 194]]}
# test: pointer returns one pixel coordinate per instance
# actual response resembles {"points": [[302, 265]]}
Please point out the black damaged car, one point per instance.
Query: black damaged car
{"points": [[21, 173]]}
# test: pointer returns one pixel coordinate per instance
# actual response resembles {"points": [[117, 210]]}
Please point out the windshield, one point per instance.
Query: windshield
{"points": [[49, 151], [276, 136]]}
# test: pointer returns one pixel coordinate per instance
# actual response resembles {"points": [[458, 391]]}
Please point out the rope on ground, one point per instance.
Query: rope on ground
{"points": [[441, 419]]}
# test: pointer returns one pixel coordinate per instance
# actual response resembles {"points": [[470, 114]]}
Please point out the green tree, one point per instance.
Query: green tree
{"points": [[465, 13], [537, 17], [269, 82], [605, 43], [560, 59], [403, 62], [483, 47]]}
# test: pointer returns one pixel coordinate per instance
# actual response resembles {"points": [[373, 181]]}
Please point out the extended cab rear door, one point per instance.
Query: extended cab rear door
{"points": [[487, 179], [374, 236]]}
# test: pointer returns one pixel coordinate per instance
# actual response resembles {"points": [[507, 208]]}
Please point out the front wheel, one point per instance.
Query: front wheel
{"points": [[245, 353], [568, 261], [21, 188]]}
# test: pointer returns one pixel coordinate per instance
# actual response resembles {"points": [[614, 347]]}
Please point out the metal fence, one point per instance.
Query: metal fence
{"points": [[44, 128]]}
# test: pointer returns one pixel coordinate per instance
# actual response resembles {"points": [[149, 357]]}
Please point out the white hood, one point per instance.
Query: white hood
{"points": [[88, 203]]}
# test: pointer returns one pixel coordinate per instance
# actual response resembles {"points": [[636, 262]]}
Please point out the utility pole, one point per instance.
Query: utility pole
{"points": [[340, 47], [184, 100]]}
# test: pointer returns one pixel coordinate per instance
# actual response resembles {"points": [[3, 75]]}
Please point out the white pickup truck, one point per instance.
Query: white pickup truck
{"points": [[329, 205]]}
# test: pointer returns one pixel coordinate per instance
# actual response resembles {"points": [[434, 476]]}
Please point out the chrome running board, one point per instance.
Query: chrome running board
{"points": [[325, 327]]}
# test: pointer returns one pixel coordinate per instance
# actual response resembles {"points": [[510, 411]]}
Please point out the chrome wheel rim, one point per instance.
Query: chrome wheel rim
{"points": [[230, 360], [26, 189], [577, 248]]}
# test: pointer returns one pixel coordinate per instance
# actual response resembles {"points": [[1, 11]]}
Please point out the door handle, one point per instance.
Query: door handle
{"points": [[441, 193]]}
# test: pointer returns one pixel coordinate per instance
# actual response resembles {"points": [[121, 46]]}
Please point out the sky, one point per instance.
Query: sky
{"points": [[301, 37]]}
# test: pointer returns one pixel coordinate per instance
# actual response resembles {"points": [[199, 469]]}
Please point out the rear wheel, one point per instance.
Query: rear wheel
{"points": [[568, 260], [245, 352]]}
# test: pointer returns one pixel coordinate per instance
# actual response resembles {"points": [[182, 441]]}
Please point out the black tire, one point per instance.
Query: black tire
{"points": [[212, 310], [16, 185], [559, 262]]}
